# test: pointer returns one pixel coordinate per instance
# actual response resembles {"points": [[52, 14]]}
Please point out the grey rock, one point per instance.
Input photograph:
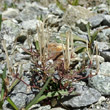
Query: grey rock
{"points": [[76, 12], [21, 4], [77, 31], [30, 25], [19, 49], [10, 30], [38, 107], [104, 49], [96, 20], [100, 19], [55, 10], [47, 107], [20, 95], [102, 37], [8, 2], [2, 56], [0, 51], [105, 68], [1, 71], [87, 96], [102, 8], [53, 21], [58, 108], [2, 66], [10, 13], [101, 81], [47, 2], [22, 36], [32, 11], [26, 66], [82, 24], [28, 43], [95, 59], [64, 28], [106, 33], [106, 20], [20, 57]]}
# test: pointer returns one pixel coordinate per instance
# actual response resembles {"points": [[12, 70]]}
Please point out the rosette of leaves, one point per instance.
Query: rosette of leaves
{"points": [[88, 45]]}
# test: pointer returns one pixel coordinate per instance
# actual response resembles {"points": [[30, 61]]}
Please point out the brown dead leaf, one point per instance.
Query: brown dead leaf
{"points": [[55, 51]]}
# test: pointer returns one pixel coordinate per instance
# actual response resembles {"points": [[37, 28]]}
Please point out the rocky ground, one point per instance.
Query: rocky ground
{"points": [[19, 29]]}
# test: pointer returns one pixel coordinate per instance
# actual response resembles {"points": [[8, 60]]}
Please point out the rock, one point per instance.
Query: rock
{"points": [[95, 2], [31, 25], [20, 95], [106, 32], [104, 49], [82, 24], [8, 3], [102, 8], [87, 97], [63, 29], [20, 57], [22, 36], [96, 20], [55, 10], [0, 51], [102, 98], [100, 19], [29, 43], [26, 66], [103, 36], [21, 4], [10, 30], [10, 13], [47, 107], [32, 11], [38, 107], [106, 20], [2, 56], [53, 21], [58, 108], [74, 13], [1, 71], [101, 81], [95, 59], [77, 31], [47, 2]]}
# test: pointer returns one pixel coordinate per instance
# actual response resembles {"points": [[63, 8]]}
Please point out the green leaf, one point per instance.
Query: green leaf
{"points": [[77, 38], [80, 49], [16, 80], [60, 5], [5, 5], [94, 35], [75, 2], [88, 30], [37, 45], [4, 72], [50, 94], [1, 104], [12, 103], [39, 94]]}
